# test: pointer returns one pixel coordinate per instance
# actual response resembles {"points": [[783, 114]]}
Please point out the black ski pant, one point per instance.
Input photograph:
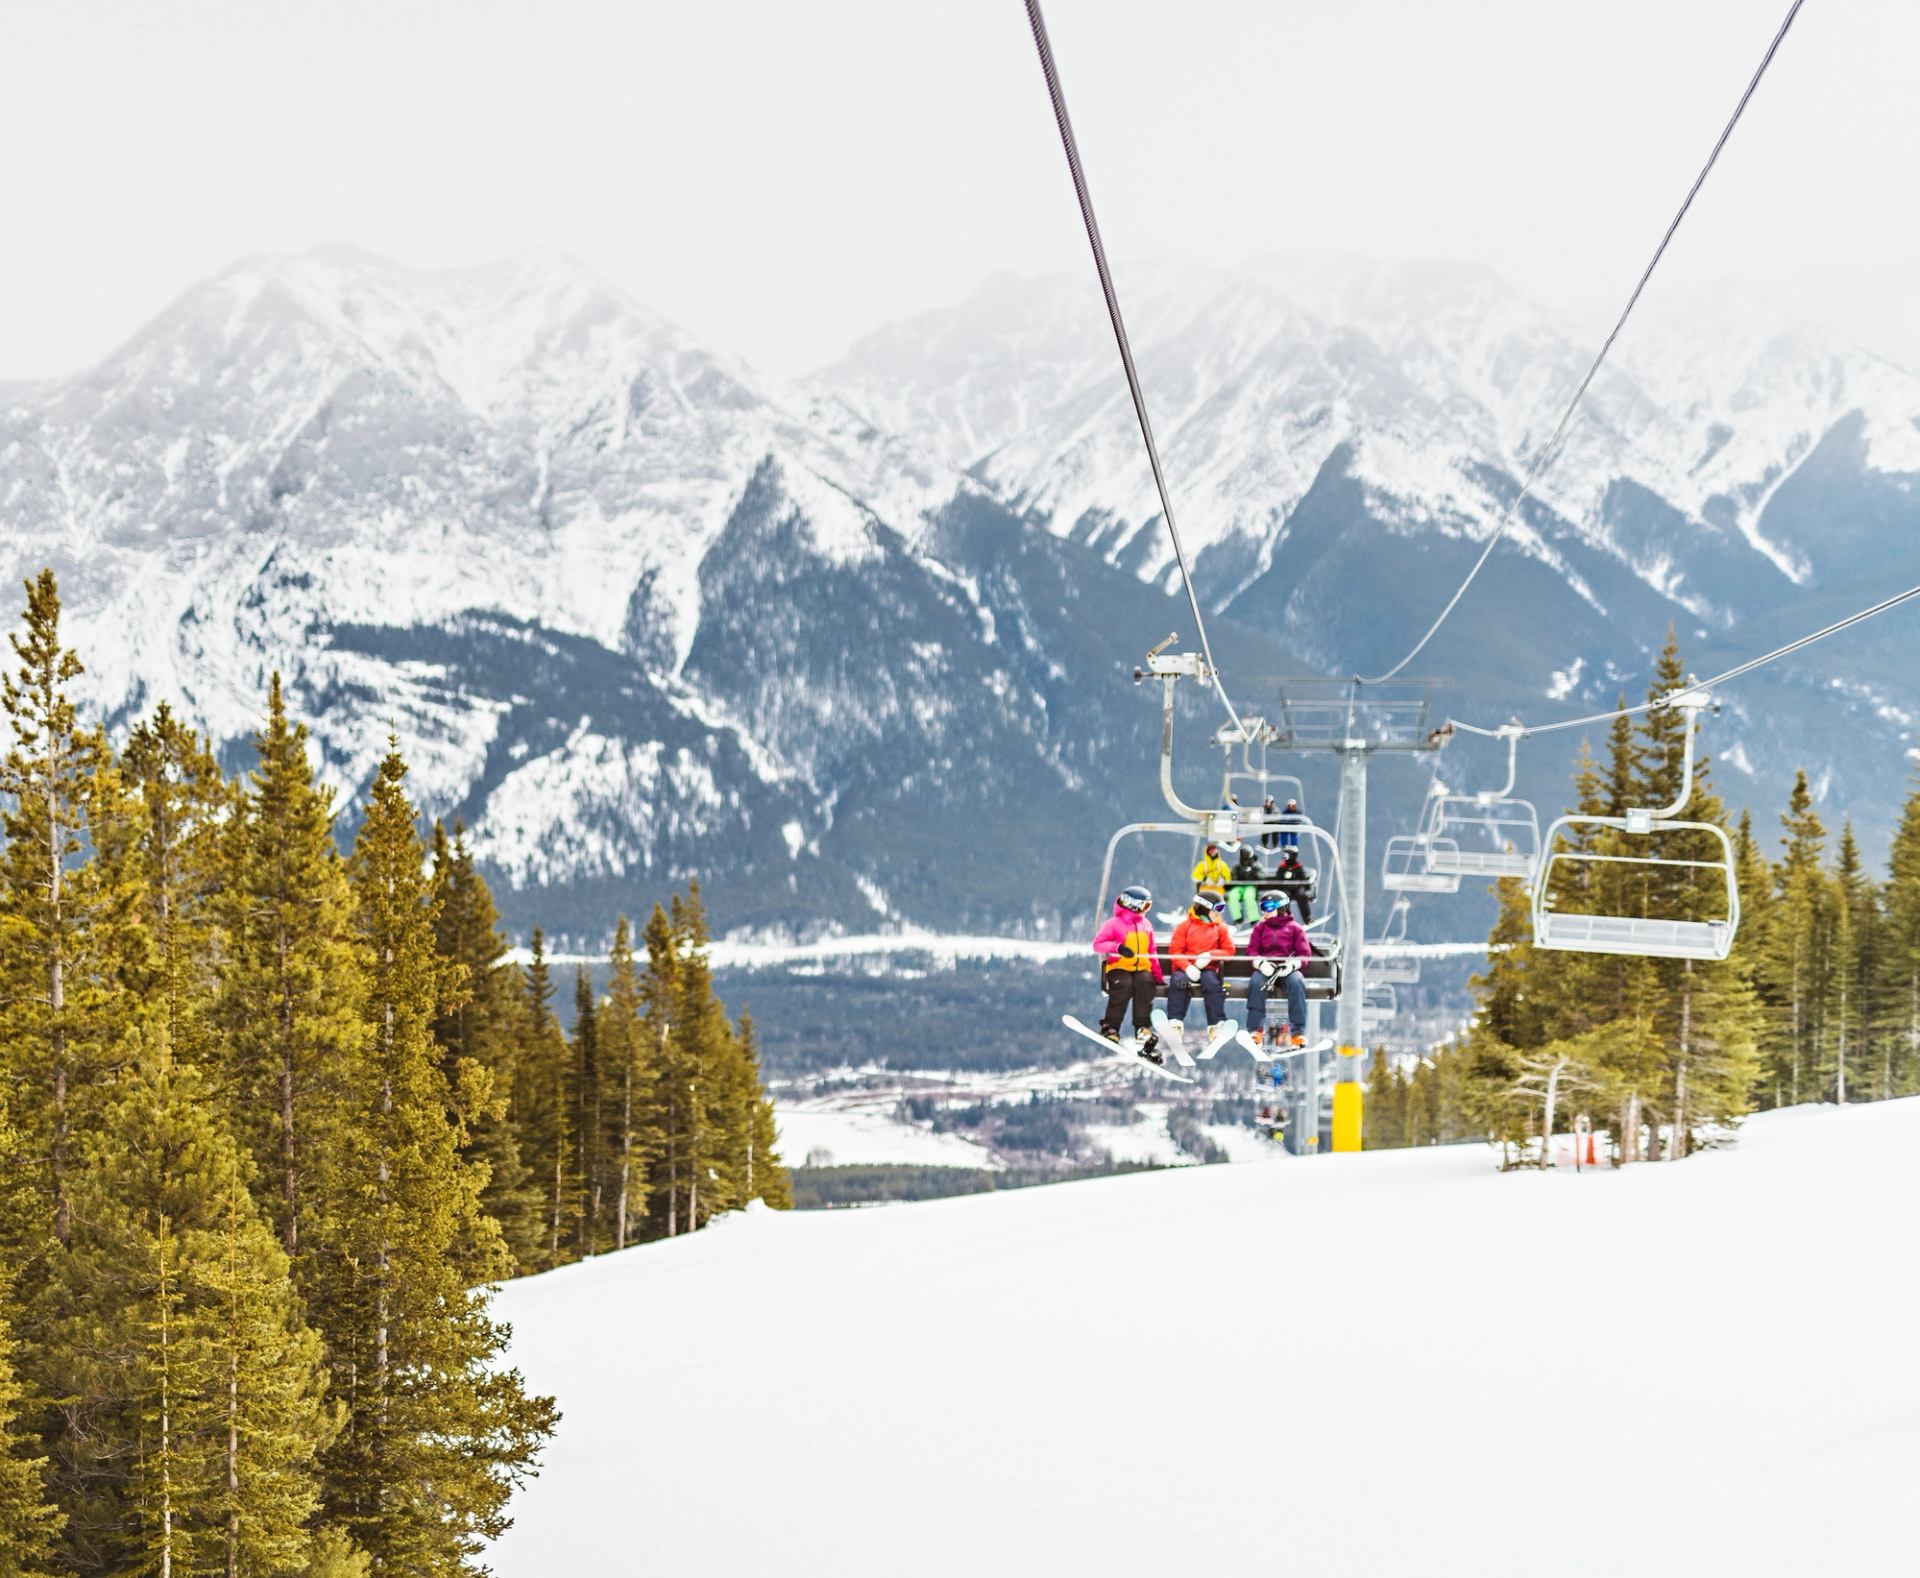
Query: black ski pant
{"points": [[1123, 987]]}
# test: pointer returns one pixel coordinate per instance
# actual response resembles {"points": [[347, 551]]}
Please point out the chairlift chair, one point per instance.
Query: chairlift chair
{"points": [[1644, 936], [1321, 974], [1393, 969], [1408, 864], [1493, 834]]}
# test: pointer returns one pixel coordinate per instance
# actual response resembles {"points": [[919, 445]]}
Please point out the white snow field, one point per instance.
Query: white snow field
{"points": [[1397, 1363]]}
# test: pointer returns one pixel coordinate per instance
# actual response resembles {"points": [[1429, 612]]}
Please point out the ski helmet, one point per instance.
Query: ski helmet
{"points": [[1272, 903], [1136, 898]]}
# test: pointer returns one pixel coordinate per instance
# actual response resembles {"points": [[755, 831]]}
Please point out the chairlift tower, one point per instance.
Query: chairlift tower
{"points": [[1354, 724]]}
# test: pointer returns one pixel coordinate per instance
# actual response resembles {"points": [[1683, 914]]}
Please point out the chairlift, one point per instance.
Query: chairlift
{"points": [[1321, 974], [1379, 1006], [1641, 935], [1408, 864], [1493, 834], [1393, 969]]}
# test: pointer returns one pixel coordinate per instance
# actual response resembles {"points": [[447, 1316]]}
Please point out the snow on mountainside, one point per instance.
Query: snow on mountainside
{"points": [[638, 614], [1438, 381], [1397, 1362]]}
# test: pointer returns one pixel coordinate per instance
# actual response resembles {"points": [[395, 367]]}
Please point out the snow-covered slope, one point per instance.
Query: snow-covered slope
{"points": [[1398, 1362]]}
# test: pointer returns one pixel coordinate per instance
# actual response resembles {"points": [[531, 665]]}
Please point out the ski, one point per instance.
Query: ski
{"points": [[1273, 1050], [1227, 1030], [1173, 1038], [1122, 1050]]}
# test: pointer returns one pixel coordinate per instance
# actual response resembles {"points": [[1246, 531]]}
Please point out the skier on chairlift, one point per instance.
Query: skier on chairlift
{"points": [[1200, 942], [1269, 813], [1212, 871], [1241, 909], [1132, 966], [1278, 948]]}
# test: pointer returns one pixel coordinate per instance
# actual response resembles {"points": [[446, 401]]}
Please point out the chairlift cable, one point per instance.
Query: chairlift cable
{"points": [[1548, 453], [1739, 669], [1072, 149]]}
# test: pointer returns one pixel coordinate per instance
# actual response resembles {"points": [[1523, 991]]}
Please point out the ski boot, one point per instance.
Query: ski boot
{"points": [[1149, 1049]]}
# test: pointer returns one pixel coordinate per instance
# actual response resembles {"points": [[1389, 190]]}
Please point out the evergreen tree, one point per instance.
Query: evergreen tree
{"points": [[69, 896], [766, 1177], [588, 1114], [1794, 983], [630, 1049], [477, 1030], [29, 1523], [436, 1434], [191, 1388], [543, 1108], [292, 986], [1898, 969], [189, 806]]}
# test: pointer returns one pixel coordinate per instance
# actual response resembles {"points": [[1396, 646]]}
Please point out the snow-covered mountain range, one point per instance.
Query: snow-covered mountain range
{"points": [[854, 650]]}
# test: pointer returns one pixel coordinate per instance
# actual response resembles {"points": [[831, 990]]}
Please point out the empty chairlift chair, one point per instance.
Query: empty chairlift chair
{"points": [[1393, 969], [1493, 834], [1409, 864], [1649, 936]]}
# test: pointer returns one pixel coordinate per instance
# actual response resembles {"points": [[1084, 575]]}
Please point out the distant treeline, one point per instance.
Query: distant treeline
{"points": [[877, 1183], [272, 1119], [1820, 1000]]}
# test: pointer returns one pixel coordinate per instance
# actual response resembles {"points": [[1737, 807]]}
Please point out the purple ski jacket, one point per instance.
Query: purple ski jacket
{"points": [[1277, 939]]}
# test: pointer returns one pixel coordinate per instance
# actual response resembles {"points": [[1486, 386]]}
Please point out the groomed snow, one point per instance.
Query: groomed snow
{"points": [[1393, 1363]]}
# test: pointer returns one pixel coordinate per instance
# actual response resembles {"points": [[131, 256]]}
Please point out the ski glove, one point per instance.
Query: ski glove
{"points": [[1268, 968], [1199, 964]]}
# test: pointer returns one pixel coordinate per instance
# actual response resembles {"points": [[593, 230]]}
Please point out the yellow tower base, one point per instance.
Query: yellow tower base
{"points": [[1347, 1102]]}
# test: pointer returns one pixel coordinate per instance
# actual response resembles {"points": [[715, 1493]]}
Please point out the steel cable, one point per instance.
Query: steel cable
{"points": [[1545, 456], [1067, 141]]}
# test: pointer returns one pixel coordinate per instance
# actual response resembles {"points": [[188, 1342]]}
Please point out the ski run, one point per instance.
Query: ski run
{"points": [[1399, 1362]]}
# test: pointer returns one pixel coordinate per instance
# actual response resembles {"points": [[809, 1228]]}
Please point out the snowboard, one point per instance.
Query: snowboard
{"points": [[1171, 1038], [1123, 1049]]}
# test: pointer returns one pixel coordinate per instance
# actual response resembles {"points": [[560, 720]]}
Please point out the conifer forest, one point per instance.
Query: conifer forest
{"points": [[275, 1117], [1819, 1002]]}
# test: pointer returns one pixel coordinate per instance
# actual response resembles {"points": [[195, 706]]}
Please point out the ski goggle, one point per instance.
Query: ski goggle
{"points": [[1138, 906], [1272, 904]]}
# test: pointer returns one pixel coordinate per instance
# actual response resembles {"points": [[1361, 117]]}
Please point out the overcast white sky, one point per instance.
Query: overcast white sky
{"points": [[781, 175]]}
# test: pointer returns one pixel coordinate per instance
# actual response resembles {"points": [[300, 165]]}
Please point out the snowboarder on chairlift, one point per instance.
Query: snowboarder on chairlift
{"points": [[1200, 942], [1212, 871], [1295, 883], [1288, 838], [1278, 948], [1132, 966]]}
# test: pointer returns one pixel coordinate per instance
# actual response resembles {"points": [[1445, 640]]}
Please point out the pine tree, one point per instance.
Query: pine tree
{"points": [[477, 1030], [69, 932], [189, 806], [588, 1113], [543, 1107], [29, 1523], [1850, 903], [1794, 980], [191, 1386], [291, 989], [630, 1048], [1898, 989], [436, 1434], [660, 993], [766, 1177]]}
